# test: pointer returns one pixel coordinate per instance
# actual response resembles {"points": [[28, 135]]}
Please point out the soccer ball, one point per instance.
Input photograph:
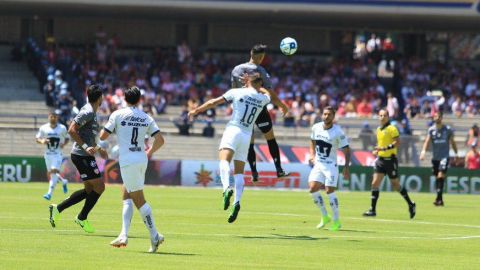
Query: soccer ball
{"points": [[288, 46]]}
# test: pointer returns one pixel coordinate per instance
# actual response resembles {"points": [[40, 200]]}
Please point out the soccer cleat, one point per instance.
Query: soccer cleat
{"points": [[370, 213], [438, 203], [234, 214], [85, 225], [120, 242], [282, 173], [65, 188], [254, 177], [336, 226], [324, 221], [227, 194], [47, 197], [155, 243], [412, 209], [54, 214]]}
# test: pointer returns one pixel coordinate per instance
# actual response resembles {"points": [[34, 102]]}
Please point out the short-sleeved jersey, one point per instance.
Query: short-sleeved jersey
{"points": [[327, 142], [86, 119], [440, 139], [56, 136], [241, 69], [131, 125], [385, 137], [247, 105]]}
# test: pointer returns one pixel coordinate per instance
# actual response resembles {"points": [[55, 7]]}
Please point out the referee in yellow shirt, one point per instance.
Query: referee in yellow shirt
{"points": [[386, 163]]}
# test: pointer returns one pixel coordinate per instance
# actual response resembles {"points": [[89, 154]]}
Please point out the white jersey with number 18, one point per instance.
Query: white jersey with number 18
{"points": [[131, 125], [247, 105]]}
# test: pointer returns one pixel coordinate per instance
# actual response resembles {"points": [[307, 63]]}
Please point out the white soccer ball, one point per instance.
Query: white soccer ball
{"points": [[288, 46]]}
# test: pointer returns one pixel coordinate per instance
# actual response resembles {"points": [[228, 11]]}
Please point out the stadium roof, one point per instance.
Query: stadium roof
{"points": [[410, 15]]}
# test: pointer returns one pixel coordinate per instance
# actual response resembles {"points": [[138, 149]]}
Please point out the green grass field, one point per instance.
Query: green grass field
{"points": [[275, 230]]}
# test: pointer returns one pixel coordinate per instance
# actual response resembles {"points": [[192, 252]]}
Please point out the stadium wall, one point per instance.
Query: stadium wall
{"points": [[196, 173]]}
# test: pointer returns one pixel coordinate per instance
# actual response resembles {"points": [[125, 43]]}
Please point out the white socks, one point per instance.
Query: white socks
{"points": [[334, 205], [239, 184], [225, 173], [127, 214], [146, 212], [64, 181], [52, 182], [318, 201]]}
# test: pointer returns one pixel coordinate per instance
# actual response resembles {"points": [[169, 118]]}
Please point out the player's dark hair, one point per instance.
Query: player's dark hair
{"points": [[331, 109], [258, 48], [94, 93], [132, 95]]}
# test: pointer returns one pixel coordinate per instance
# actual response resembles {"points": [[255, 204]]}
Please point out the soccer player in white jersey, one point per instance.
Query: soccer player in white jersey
{"points": [[131, 125], [326, 138], [247, 104], [55, 136]]}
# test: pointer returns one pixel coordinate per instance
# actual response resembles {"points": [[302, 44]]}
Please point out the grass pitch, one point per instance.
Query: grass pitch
{"points": [[275, 230]]}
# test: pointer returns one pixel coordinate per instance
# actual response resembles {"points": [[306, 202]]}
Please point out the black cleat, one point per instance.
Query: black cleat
{"points": [[254, 177], [234, 214], [413, 210], [438, 203], [227, 194], [370, 213], [282, 173]]}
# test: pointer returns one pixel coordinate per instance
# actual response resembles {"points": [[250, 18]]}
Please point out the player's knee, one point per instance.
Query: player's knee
{"points": [[268, 132]]}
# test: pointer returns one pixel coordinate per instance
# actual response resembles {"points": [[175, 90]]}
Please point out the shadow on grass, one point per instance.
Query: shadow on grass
{"points": [[286, 237], [170, 253], [113, 236]]}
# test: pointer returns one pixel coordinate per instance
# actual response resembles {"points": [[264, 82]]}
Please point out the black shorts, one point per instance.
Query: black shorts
{"points": [[264, 121], [86, 166], [388, 166], [440, 166]]}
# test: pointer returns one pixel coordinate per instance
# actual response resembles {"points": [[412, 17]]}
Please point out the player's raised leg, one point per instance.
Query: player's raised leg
{"points": [[239, 186], [225, 155]]}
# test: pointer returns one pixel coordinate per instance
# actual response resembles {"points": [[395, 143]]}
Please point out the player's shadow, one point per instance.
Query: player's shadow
{"points": [[286, 237], [356, 231], [170, 253]]}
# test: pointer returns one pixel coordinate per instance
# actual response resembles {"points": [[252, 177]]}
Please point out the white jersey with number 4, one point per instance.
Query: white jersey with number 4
{"points": [[327, 142], [131, 125], [56, 136], [247, 104]]}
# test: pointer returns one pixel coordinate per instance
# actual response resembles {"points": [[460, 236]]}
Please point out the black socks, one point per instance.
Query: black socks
{"points": [[439, 184], [375, 195], [75, 198], [90, 202], [275, 153], [404, 194], [252, 158]]}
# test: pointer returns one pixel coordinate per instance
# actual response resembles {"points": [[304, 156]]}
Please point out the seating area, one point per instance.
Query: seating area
{"points": [[23, 111]]}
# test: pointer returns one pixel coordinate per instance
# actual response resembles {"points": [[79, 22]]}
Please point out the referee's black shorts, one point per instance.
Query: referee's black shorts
{"points": [[388, 166], [86, 166], [264, 121]]}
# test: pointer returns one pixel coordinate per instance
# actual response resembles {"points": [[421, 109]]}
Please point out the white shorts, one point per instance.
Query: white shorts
{"points": [[133, 176], [53, 162], [238, 140], [324, 173]]}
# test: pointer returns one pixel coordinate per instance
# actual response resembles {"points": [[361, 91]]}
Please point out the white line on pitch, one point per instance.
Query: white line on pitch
{"points": [[261, 236], [416, 222]]}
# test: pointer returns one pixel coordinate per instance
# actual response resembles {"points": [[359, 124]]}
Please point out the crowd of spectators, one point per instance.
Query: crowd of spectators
{"points": [[182, 77]]}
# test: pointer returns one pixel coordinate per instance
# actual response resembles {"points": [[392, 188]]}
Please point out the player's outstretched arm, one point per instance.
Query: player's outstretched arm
{"points": [[275, 100], [212, 103], [425, 147], [158, 142]]}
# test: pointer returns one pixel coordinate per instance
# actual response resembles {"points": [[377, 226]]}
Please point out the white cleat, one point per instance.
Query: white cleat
{"points": [[120, 242], [155, 243]]}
